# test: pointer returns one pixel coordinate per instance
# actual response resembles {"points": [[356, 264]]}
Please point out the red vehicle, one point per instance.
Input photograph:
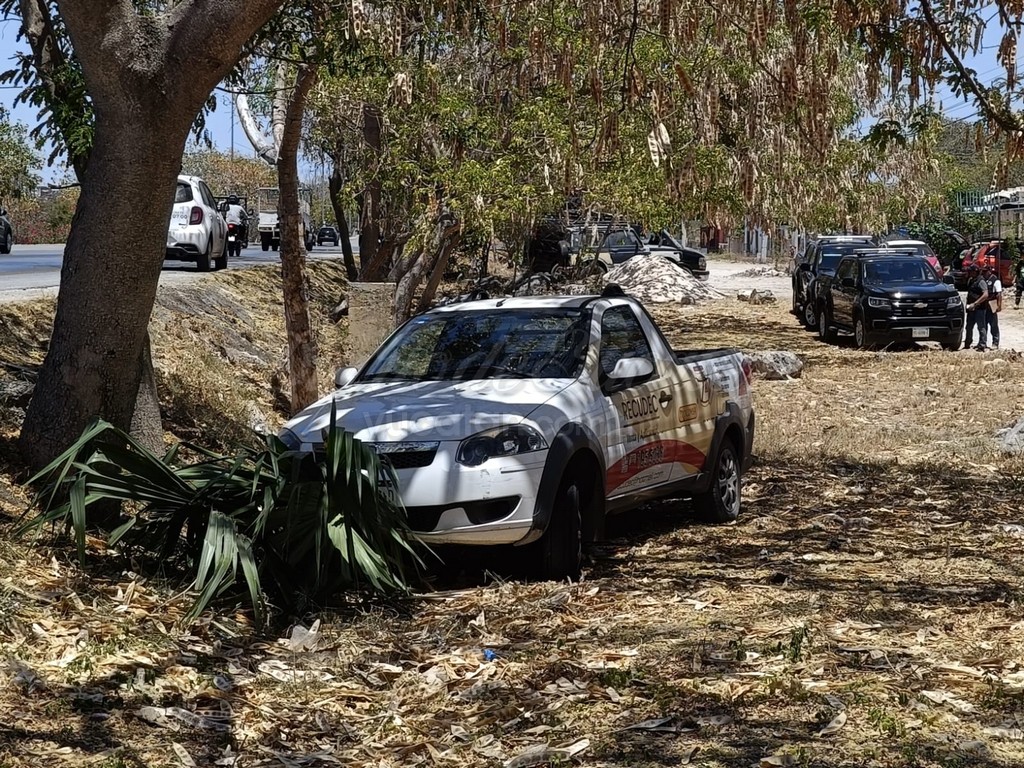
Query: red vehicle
{"points": [[994, 254]]}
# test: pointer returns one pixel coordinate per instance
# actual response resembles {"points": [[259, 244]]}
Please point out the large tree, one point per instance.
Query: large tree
{"points": [[147, 72]]}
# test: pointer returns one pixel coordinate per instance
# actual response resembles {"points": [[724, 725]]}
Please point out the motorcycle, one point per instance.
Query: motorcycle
{"points": [[235, 237]]}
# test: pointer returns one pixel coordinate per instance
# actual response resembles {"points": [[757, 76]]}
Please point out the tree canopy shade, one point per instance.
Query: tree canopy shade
{"points": [[473, 115]]}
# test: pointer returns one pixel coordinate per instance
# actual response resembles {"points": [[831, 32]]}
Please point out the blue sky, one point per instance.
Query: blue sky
{"points": [[220, 122]]}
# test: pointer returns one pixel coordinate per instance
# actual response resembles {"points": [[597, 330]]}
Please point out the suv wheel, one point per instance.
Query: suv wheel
{"points": [[825, 333], [810, 320], [8, 242], [721, 502], [860, 334], [561, 546]]}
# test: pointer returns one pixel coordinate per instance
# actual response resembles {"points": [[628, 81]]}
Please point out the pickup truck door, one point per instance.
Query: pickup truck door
{"points": [[641, 415]]}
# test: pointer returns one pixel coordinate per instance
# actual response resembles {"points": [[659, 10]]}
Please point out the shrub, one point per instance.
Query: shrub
{"points": [[288, 523]]}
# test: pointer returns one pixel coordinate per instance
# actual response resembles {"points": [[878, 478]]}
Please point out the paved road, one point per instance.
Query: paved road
{"points": [[34, 270]]}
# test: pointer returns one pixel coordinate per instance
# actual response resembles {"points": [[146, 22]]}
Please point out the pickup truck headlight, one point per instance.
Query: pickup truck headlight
{"points": [[502, 441], [703, 263], [953, 301], [879, 303]]}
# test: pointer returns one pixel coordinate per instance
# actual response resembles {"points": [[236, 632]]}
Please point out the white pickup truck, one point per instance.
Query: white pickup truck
{"points": [[526, 421]]}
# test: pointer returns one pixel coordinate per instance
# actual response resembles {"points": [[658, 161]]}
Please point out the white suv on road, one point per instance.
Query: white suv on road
{"points": [[197, 232]]}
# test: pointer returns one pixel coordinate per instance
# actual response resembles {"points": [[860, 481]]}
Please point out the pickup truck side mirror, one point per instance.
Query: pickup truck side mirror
{"points": [[948, 280], [343, 376], [626, 371], [849, 282]]}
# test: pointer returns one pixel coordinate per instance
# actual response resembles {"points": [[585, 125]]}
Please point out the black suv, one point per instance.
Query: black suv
{"points": [[6, 232], [326, 233], [886, 298], [821, 258]]}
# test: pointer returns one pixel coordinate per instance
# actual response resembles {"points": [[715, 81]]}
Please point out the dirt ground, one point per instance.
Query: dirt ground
{"points": [[864, 611]]}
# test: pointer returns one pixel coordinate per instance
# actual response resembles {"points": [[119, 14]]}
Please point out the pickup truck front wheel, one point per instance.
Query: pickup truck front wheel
{"points": [[810, 318], [721, 502], [561, 546]]}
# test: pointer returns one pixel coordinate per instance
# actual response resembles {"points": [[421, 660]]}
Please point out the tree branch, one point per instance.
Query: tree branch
{"points": [[999, 115]]}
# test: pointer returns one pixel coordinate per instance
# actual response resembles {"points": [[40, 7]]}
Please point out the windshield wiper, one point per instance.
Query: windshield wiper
{"points": [[387, 377]]}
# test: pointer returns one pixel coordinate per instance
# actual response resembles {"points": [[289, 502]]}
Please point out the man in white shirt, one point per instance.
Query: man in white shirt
{"points": [[995, 302]]}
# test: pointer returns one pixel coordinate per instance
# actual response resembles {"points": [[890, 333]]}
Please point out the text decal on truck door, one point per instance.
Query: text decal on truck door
{"points": [[640, 408]]}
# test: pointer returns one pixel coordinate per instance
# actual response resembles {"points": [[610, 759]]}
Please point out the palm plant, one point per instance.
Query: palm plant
{"points": [[288, 522]]}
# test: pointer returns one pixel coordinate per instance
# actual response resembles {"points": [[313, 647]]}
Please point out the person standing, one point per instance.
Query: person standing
{"points": [[995, 303], [977, 308]]}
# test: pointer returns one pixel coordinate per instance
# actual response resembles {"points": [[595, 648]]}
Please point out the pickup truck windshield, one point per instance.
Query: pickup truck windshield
{"points": [[500, 343], [899, 271]]}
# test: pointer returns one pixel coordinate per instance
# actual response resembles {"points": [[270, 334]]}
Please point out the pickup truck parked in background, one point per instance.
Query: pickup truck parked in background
{"points": [[885, 299], [267, 214], [526, 421]]}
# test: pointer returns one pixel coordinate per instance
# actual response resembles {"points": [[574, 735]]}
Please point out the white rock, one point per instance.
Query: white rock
{"points": [[776, 364]]}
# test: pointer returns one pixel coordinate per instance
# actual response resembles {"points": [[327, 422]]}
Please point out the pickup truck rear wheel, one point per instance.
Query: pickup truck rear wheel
{"points": [[561, 546], [721, 502]]}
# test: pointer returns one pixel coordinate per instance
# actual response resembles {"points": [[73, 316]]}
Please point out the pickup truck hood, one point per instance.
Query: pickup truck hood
{"points": [[391, 411], [924, 290]]}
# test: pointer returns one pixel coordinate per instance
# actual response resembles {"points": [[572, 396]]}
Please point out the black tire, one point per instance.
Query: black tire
{"points": [[797, 309], [560, 549], [951, 344], [860, 335], [221, 262], [203, 262], [265, 245], [275, 245], [825, 330], [721, 502], [810, 318], [8, 242]]}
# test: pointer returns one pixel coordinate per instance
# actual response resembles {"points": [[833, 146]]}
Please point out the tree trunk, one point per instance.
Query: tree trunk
{"points": [[334, 186], [449, 242], [301, 344], [417, 266], [146, 77], [370, 199], [97, 361]]}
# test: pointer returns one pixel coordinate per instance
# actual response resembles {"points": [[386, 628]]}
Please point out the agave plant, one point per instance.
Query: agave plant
{"points": [[288, 522]]}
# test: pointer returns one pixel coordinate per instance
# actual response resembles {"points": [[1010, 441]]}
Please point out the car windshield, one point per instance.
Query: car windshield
{"points": [[899, 271], [499, 343], [183, 192], [663, 238]]}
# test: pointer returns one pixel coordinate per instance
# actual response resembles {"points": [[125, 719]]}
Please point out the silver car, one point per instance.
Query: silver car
{"points": [[197, 232]]}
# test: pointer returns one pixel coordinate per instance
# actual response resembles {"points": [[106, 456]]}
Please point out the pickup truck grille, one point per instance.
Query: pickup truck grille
{"points": [[406, 455], [919, 307], [398, 455], [409, 459]]}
